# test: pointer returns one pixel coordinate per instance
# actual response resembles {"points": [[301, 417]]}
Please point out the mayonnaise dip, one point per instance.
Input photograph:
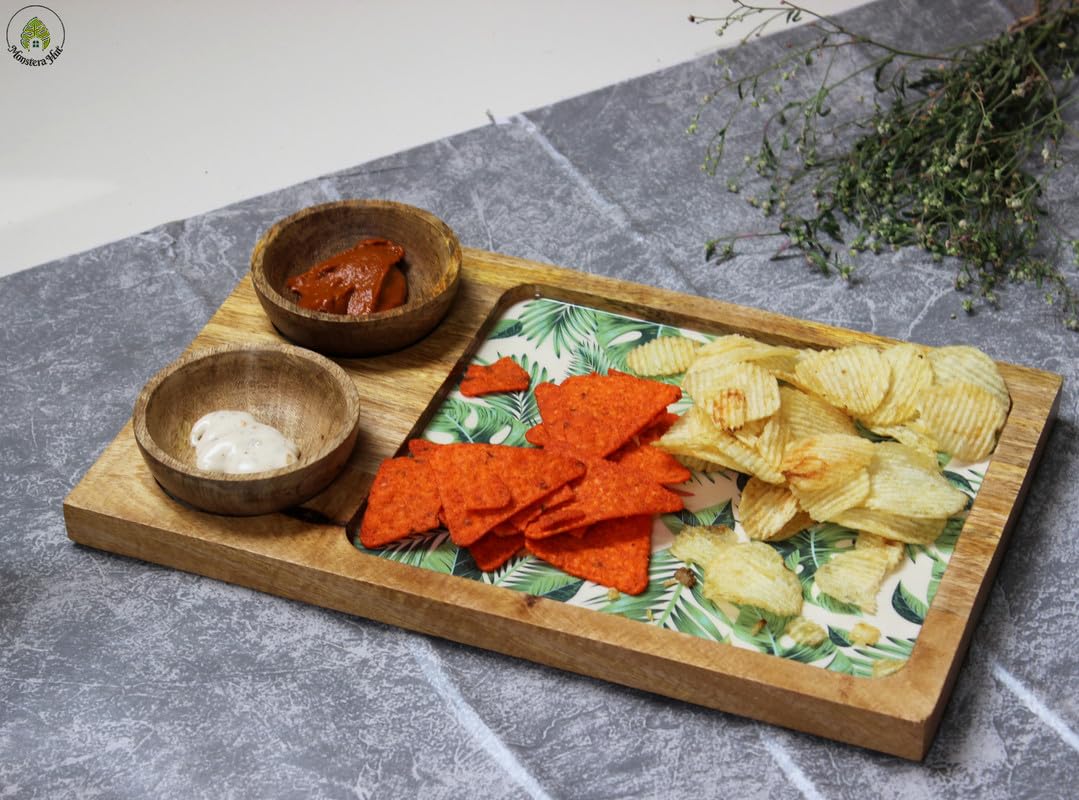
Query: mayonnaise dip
{"points": [[236, 442]]}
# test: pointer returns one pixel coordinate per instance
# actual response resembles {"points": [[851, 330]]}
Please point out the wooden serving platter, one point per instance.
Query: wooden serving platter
{"points": [[306, 555]]}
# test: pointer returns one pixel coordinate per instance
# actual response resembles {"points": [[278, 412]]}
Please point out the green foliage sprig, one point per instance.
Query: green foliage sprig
{"points": [[953, 154]]}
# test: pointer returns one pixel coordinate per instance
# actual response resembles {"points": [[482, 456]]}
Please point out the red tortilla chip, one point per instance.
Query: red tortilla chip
{"points": [[421, 447], [612, 553], [659, 466], [491, 552], [482, 488], [404, 499], [504, 528], [657, 427], [487, 496], [519, 521], [529, 474], [536, 435], [607, 491], [505, 375], [576, 533], [593, 415]]}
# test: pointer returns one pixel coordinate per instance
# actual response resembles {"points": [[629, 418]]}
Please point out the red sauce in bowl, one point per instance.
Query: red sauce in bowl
{"points": [[361, 280]]}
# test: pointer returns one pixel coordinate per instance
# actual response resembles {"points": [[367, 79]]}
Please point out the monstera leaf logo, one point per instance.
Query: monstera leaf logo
{"points": [[35, 35]]}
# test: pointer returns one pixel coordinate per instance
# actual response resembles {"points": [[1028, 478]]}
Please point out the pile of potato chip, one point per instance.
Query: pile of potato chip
{"points": [[789, 418]]}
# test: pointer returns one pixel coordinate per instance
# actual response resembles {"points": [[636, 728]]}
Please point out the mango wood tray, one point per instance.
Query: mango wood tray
{"points": [[305, 554]]}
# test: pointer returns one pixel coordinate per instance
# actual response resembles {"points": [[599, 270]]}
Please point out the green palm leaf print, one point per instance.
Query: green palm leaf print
{"points": [[655, 599], [811, 549], [807, 654], [858, 660], [564, 324], [718, 514], [908, 606], [695, 614], [531, 575], [588, 357], [945, 543], [935, 576], [438, 553], [505, 329], [764, 637], [617, 336], [478, 422], [665, 602], [806, 552], [521, 405], [826, 601]]}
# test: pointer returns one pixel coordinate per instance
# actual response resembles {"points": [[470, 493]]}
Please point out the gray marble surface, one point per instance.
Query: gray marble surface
{"points": [[121, 679]]}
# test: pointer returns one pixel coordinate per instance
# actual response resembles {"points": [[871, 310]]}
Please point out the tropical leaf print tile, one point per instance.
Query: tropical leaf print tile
{"points": [[553, 340]]}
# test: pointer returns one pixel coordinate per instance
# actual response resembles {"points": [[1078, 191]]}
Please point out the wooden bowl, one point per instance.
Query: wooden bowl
{"points": [[432, 266], [311, 400]]}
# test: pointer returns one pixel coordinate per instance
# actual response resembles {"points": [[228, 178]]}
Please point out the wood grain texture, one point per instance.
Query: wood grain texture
{"points": [[431, 265], [306, 556], [308, 398]]}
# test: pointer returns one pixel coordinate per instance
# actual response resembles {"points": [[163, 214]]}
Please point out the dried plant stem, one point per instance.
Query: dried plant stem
{"points": [[953, 157]]}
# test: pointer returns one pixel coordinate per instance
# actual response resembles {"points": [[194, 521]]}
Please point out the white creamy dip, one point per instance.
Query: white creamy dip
{"points": [[236, 442]]}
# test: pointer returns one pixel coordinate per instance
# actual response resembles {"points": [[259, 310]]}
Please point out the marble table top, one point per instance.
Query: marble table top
{"points": [[123, 679]]}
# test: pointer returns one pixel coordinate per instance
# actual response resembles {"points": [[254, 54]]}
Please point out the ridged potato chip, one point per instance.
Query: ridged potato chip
{"points": [[734, 394], [870, 541], [733, 348], [744, 459], [912, 530], [753, 574], [782, 361], [805, 415], [904, 482], [911, 375], [772, 440], [965, 364], [864, 634], [826, 502], [701, 544], [765, 509], [729, 408], [855, 576], [750, 432], [806, 632], [695, 435], [821, 462], [790, 377], [965, 419], [698, 464], [809, 461], [666, 355], [912, 435], [688, 437], [687, 431], [854, 379], [798, 523]]}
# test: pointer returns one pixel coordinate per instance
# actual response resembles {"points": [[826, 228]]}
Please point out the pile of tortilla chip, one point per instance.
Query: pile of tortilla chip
{"points": [[583, 499]]}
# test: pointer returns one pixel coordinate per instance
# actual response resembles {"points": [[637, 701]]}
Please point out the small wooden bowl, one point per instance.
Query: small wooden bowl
{"points": [[311, 400], [432, 267]]}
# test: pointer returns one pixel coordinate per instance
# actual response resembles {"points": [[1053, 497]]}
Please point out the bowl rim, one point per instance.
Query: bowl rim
{"points": [[264, 289], [146, 441]]}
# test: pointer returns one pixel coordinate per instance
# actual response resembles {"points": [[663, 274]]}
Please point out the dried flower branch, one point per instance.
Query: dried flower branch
{"points": [[954, 155]]}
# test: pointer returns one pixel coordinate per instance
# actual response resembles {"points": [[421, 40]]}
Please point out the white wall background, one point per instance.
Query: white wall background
{"points": [[161, 110]]}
